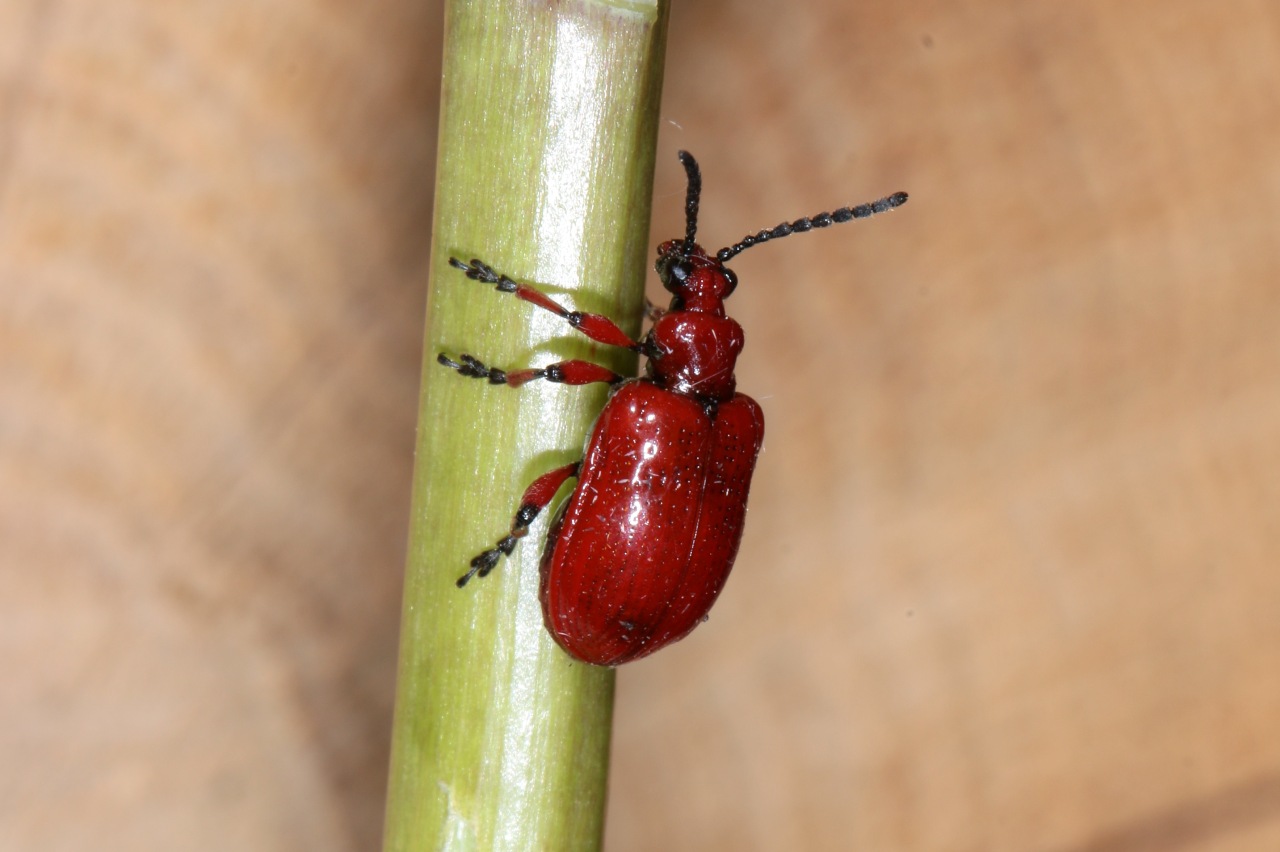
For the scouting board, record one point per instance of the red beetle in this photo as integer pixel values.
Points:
(640, 551)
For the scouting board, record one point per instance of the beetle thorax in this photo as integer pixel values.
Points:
(698, 352)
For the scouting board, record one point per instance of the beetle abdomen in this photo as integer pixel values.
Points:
(648, 537)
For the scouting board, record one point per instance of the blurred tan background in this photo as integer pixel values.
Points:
(1011, 579)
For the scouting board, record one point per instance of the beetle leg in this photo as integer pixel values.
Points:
(653, 312)
(595, 326)
(562, 372)
(535, 499)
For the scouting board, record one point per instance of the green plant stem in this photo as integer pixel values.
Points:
(548, 127)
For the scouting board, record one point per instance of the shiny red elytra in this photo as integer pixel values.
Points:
(641, 549)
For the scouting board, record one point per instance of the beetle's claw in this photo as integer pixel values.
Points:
(481, 565)
(485, 562)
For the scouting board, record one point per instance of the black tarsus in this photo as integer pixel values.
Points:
(473, 368)
(478, 270)
(487, 561)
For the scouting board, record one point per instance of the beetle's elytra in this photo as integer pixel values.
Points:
(641, 549)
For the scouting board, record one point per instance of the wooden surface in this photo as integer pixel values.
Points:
(1010, 579)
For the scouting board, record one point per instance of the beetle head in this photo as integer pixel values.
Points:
(693, 276)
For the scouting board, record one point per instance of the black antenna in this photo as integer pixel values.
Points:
(822, 220)
(690, 201)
